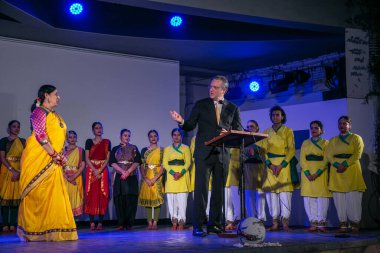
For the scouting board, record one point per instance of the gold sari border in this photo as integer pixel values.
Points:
(97, 162)
(70, 168)
(13, 158)
(57, 234)
(151, 202)
(78, 211)
(37, 179)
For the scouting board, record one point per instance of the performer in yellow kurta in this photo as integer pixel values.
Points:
(176, 161)
(346, 180)
(232, 196)
(45, 212)
(73, 173)
(314, 178)
(279, 153)
(11, 148)
(152, 190)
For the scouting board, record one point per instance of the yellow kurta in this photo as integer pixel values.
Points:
(233, 168)
(75, 192)
(318, 187)
(170, 154)
(278, 143)
(10, 190)
(45, 212)
(192, 170)
(352, 178)
(152, 196)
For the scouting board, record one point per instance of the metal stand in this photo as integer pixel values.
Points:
(243, 212)
(234, 139)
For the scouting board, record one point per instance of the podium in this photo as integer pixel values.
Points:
(240, 140)
(235, 138)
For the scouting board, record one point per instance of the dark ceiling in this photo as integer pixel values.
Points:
(204, 44)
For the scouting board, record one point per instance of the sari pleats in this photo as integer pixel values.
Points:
(45, 212)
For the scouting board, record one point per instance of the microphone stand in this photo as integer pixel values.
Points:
(243, 212)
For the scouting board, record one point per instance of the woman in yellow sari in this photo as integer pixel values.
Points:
(73, 173)
(152, 190)
(11, 148)
(45, 211)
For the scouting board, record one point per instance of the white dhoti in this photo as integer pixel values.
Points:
(177, 203)
(232, 203)
(255, 204)
(279, 204)
(348, 205)
(260, 203)
(316, 208)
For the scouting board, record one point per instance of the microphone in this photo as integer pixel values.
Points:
(240, 124)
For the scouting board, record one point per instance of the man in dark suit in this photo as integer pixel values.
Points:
(213, 115)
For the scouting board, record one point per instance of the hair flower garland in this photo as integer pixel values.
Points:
(38, 102)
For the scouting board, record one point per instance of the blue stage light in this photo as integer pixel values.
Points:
(254, 86)
(176, 21)
(76, 8)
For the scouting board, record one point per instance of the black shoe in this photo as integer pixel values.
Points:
(214, 229)
(199, 232)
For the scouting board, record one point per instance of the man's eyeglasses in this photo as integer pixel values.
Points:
(251, 126)
(215, 87)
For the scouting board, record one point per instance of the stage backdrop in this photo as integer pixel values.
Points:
(121, 91)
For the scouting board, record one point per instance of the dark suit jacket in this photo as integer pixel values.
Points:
(203, 114)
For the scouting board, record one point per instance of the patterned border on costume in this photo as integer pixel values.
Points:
(78, 211)
(48, 231)
(37, 179)
(48, 235)
(151, 203)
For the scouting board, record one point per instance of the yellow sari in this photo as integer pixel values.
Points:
(75, 191)
(45, 211)
(152, 196)
(9, 190)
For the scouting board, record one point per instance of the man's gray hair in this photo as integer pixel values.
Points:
(223, 79)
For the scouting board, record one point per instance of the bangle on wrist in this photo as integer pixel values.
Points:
(54, 155)
(44, 142)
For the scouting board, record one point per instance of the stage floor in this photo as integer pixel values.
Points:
(141, 240)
